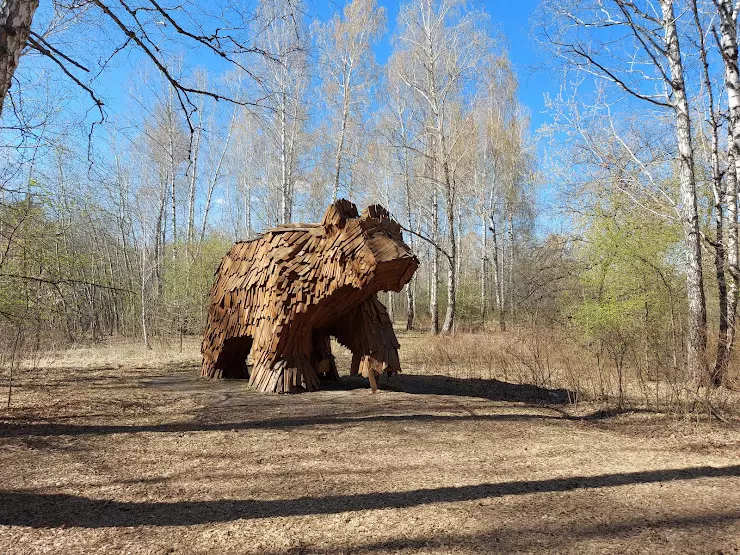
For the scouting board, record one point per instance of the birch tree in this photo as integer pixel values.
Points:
(728, 44)
(643, 59)
(285, 79)
(445, 48)
(15, 28)
(719, 193)
(498, 174)
(348, 67)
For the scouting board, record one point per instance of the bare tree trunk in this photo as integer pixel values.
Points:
(728, 26)
(159, 242)
(248, 208)
(144, 333)
(283, 162)
(483, 272)
(15, 27)
(434, 287)
(283, 166)
(191, 192)
(452, 272)
(721, 359)
(340, 142)
(719, 194)
(497, 275)
(13, 357)
(732, 255)
(389, 307)
(410, 305)
(510, 284)
(410, 298)
(291, 162)
(173, 207)
(696, 339)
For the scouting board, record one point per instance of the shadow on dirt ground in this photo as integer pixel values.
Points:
(423, 384)
(42, 510)
(493, 390)
(529, 539)
(62, 429)
(224, 398)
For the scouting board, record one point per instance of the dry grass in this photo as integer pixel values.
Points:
(119, 449)
(548, 359)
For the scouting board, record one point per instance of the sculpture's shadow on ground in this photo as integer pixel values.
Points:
(417, 384)
(420, 384)
(491, 389)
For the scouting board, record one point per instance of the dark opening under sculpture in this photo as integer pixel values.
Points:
(280, 297)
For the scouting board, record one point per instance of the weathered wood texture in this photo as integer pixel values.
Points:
(280, 297)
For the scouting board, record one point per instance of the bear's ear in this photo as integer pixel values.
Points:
(338, 213)
(378, 212)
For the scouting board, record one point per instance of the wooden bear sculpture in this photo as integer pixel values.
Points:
(280, 297)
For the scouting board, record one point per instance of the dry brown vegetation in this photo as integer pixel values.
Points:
(120, 449)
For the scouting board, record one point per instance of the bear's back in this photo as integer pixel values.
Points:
(260, 263)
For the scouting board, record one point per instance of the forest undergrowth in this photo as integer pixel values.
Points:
(584, 376)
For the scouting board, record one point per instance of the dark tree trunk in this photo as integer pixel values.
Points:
(15, 26)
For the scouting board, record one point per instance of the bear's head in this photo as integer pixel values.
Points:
(371, 248)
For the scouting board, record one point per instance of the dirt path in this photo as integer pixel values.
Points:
(154, 461)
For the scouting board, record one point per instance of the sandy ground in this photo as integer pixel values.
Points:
(133, 454)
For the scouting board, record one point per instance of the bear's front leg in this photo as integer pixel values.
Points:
(368, 332)
(285, 373)
(281, 363)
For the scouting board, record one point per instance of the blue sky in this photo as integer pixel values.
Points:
(512, 18)
(533, 81)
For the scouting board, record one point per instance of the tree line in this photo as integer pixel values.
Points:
(113, 218)
(142, 206)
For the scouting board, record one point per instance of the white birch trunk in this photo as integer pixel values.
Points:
(732, 253)
(171, 177)
(410, 297)
(728, 27)
(510, 284)
(497, 275)
(434, 287)
(719, 194)
(483, 271)
(696, 337)
(340, 141)
(452, 270)
(192, 190)
(144, 332)
(283, 163)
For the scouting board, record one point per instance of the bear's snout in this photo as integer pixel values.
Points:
(393, 274)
